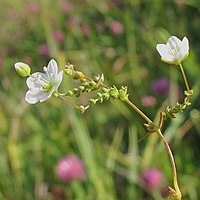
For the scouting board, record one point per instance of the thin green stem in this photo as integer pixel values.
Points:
(69, 102)
(176, 192)
(138, 111)
(184, 77)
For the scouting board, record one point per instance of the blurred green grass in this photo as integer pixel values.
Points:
(34, 138)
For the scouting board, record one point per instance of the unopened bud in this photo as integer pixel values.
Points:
(22, 69)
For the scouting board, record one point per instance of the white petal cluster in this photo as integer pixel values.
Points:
(43, 85)
(174, 51)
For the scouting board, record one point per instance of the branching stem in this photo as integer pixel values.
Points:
(176, 193)
(138, 111)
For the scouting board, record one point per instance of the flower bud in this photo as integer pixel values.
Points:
(22, 69)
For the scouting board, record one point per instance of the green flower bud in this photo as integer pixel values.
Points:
(94, 101)
(79, 75)
(69, 72)
(114, 93)
(99, 95)
(123, 95)
(105, 90)
(22, 69)
(70, 93)
(81, 88)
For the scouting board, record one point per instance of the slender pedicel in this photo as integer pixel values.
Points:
(184, 77)
(138, 111)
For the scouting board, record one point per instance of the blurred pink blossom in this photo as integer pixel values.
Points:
(116, 27)
(151, 178)
(27, 60)
(164, 191)
(33, 8)
(66, 6)
(44, 50)
(58, 36)
(70, 168)
(148, 101)
(13, 15)
(160, 86)
(85, 29)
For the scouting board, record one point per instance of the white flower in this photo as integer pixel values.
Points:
(22, 69)
(174, 51)
(43, 85)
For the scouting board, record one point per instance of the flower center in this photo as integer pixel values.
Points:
(47, 87)
(43, 83)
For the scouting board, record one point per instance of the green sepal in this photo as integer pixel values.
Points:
(188, 93)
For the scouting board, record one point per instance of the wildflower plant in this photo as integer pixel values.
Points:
(44, 85)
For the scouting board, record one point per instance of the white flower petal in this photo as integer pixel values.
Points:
(34, 96)
(52, 66)
(37, 79)
(174, 51)
(52, 69)
(164, 52)
(174, 40)
(185, 43)
(46, 95)
(31, 96)
(42, 85)
(181, 54)
(58, 79)
(185, 46)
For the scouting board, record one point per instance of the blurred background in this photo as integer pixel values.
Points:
(51, 151)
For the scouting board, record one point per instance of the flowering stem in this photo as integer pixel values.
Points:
(184, 77)
(176, 191)
(138, 110)
(69, 102)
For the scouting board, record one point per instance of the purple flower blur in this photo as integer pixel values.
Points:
(160, 86)
(44, 50)
(66, 6)
(116, 27)
(58, 36)
(85, 30)
(70, 168)
(151, 178)
(33, 8)
(148, 101)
